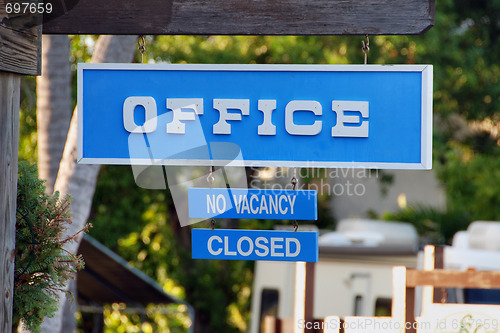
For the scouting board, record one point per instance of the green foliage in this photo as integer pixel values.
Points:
(27, 120)
(81, 49)
(133, 221)
(434, 226)
(141, 231)
(42, 267)
(155, 250)
(163, 318)
(473, 183)
(121, 213)
(464, 49)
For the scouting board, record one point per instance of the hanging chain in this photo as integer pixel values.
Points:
(210, 180)
(294, 182)
(141, 46)
(366, 47)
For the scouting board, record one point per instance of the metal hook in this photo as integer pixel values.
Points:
(141, 42)
(210, 177)
(366, 47)
(210, 180)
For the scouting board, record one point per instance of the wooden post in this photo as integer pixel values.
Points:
(300, 296)
(439, 293)
(399, 296)
(9, 145)
(410, 309)
(20, 44)
(427, 291)
(303, 319)
(309, 297)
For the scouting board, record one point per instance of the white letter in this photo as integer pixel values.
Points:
(149, 105)
(210, 203)
(297, 243)
(273, 203)
(250, 248)
(223, 209)
(292, 202)
(350, 131)
(274, 246)
(263, 205)
(210, 249)
(237, 203)
(283, 211)
(256, 210)
(226, 247)
(222, 105)
(261, 246)
(245, 205)
(176, 105)
(267, 106)
(294, 106)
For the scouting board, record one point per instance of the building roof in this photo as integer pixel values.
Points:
(108, 278)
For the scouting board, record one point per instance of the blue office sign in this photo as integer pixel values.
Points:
(366, 116)
(252, 204)
(254, 245)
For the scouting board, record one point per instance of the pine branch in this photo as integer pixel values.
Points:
(42, 265)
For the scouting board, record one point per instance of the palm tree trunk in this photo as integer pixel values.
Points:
(79, 180)
(53, 106)
(53, 109)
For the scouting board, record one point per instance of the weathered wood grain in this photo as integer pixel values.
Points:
(450, 278)
(9, 144)
(20, 41)
(241, 17)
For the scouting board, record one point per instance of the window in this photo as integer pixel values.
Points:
(269, 300)
(482, 296)
(358, 305)
(383, 307)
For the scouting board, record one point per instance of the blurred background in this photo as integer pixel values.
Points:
(139, 225)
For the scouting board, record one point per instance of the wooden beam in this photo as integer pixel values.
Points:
(240, 17)
(9, 145)
(20, 39)
(453, 279)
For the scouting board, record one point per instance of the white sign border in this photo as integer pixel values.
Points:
(426, 114)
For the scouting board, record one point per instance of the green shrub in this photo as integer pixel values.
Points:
(434, 226)
(42, 266)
